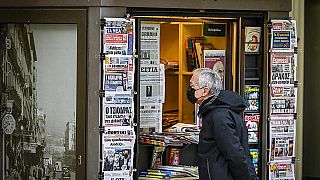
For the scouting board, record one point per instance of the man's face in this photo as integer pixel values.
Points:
(200, 93)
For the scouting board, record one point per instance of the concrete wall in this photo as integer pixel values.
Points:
(311, 126)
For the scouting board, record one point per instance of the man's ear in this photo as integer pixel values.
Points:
(206, 91)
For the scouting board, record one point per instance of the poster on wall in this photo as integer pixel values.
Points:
(253, 38)
(118, 38)
(281, 170)
(215, 59)
(118, 152)
(282, 138)
(150, 43)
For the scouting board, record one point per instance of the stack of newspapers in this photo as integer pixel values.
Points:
(171, 172)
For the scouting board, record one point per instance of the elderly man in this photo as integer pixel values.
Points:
(223, 147)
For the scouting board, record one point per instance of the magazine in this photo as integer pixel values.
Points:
(157, 156)
(252, 97)
(255, 155)
(253, 137)
(252, 121)
(174, 158)
(252, 44)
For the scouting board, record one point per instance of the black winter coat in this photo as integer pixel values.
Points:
(223, 147)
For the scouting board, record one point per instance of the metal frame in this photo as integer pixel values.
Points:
(63, 16)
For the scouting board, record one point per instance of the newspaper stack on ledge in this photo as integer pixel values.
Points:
(171, 172)
(178, 135)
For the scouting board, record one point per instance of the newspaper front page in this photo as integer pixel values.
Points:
(282, 138)
(150, 43)
(118, 152)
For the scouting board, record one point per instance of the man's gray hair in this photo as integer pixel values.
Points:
(209, 78)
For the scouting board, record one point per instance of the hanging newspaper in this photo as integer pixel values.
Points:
(282, 138)
(118, 98)
(117, 114)
(281, 170)
(283, 99)
(118, 36)
(118, 152)
(150, 43)
(118, 77)
(283, 68)
(252, 97)
(152, 83)
(284, 38)
(215, 59)
(252, 44)
(151, 117)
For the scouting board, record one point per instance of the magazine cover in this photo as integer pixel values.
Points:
(253, 137)
(252, 44)
(255, 155)
(252, 121)
(174, 158)
(215, 59)
(252, 97)
(156, 160)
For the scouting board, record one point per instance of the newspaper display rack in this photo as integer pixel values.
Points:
(117, 126)
(282, 99)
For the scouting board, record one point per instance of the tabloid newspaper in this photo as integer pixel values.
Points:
(283, 35)
(150, 43)
(118, 152)
(281, 170)
(215, 59)
(282, 138)
(283, 99)
(118, 36)
(283, 68)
